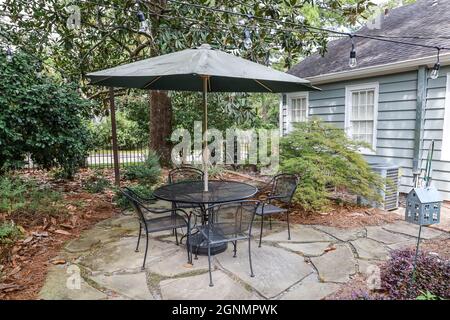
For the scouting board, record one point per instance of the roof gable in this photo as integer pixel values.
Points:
(425, 18)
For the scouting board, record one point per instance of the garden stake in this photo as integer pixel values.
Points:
(413, 276)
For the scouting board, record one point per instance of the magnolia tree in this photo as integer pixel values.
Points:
(82, 36)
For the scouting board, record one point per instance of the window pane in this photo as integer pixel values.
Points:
(362, 115)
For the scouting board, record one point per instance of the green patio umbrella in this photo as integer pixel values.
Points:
(202, 69)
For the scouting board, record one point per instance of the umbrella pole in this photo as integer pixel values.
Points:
(205, 128)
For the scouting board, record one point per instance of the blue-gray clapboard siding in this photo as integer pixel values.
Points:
(396, 121)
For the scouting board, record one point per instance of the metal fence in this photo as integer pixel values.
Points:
(103, 158)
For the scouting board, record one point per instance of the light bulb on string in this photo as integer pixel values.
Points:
(9, 54)
(435, 71)
(143, 25)
(248, 43)
(352, 61)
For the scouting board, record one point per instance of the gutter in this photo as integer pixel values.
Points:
(372, 71)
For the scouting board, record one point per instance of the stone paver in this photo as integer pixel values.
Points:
(410, 229)
(120, 256)
(176, 264)
(336, 265)
(313, 249)
(63, 285)
(275, 269)
(370, 249)
(343, 234)
(299, 233)
(132, 286)
(381, 235)
(92, 238)
(310, 289)
(197, 288)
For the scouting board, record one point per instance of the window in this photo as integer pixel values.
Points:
(298, 109)
(361, 110)
(445, 153)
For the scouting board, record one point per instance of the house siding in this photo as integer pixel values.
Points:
(396, 121)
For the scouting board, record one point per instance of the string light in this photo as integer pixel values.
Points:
(143, 24)
(435, 71)
(248, 43)
(9, 54)
(352, 63)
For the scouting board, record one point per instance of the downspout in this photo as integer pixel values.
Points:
(418, 130)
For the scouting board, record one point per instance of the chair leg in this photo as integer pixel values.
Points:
(176, 237)
(260, 234)
(289, 229)
(234, 249)
(146, 249)
(270, 222)
(209, 265)
(139, 238)
(250, 258)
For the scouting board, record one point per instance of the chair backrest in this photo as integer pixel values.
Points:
(284, 186)
(185, 174)
(134, 202)
(237, 216)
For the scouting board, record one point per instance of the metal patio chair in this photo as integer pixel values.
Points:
(283, 190)
(229, 222)
(181, 174)
(172, 221)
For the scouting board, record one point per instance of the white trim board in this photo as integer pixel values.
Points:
(445, 151)
(348, 104)
(384, 69)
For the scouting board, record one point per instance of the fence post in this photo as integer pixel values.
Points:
(114, 137)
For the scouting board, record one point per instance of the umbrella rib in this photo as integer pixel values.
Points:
(152, 82)
(263, 85)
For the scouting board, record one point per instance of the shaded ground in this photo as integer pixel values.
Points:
(327, 251)
(317, 262)
(24, 269)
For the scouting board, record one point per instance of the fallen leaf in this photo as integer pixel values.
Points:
(58, 261)
(59, 231)
(67, 226)
(14, 271)
(330, 249)
(40, 234)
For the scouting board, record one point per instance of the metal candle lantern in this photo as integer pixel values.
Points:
(423, 206)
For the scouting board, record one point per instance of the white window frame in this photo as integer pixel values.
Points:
(445, 149)
(375, 86)
(297, 95)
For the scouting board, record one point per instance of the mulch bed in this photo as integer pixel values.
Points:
(25, 267)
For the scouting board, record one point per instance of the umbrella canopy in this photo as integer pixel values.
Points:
(202, 69)
(182, 71)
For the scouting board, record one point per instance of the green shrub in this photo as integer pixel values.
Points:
(322, 155)
(143, 191)
(146, 173)
(96, 183)
(9, 232)
(40, 117)
(19, 197)
(129, 134)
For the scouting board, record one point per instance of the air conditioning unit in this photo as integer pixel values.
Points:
(390, 194)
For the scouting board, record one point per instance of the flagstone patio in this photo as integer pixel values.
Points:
(313, 265)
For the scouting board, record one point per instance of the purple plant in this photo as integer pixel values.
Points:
(432, 275)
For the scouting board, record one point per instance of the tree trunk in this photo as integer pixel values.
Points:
(160, 124)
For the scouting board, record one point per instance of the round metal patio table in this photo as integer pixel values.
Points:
(191, 192)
